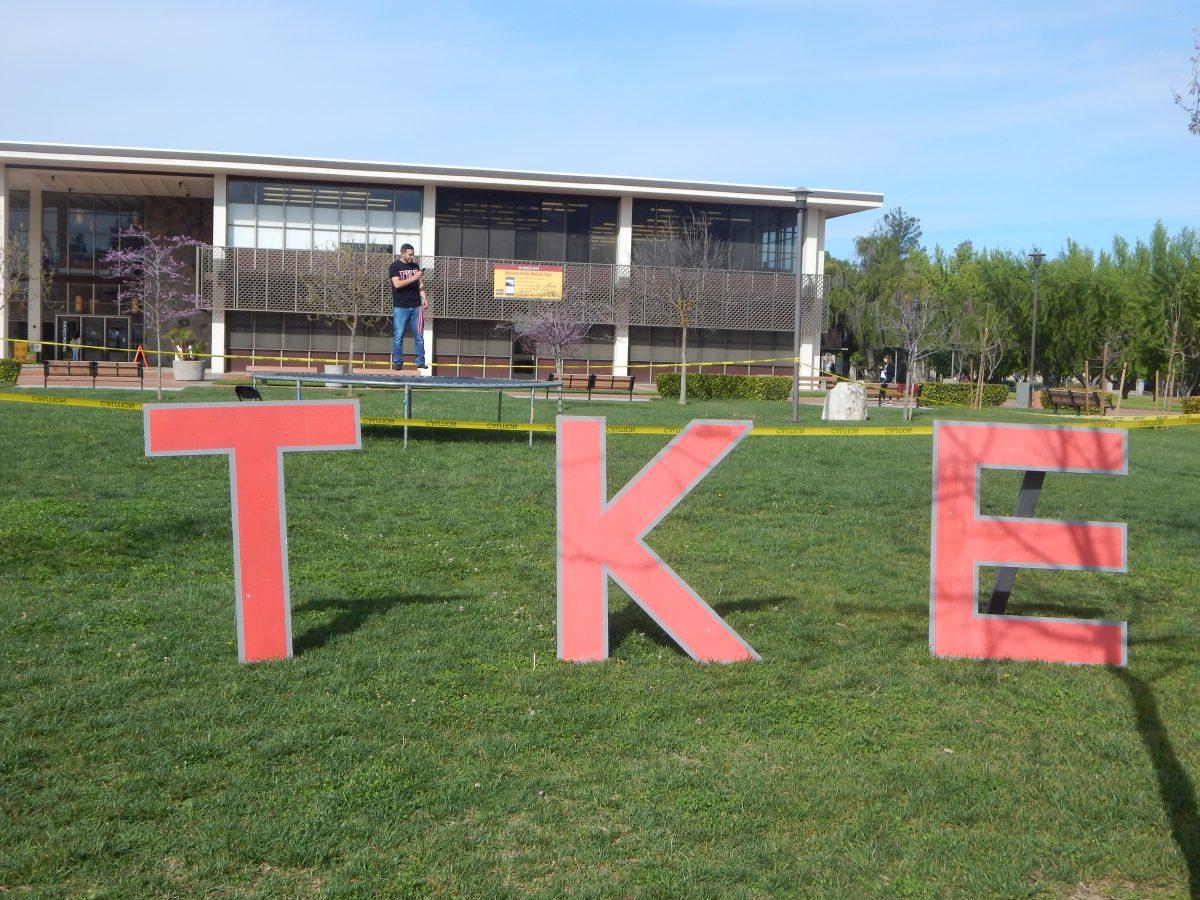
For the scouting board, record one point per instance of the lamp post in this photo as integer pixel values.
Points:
(1037, 257)
(798, 265)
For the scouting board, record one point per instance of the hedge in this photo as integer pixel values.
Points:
(1191, 405)
(725, 387)
(1108, 395)
(9, 370)
(960, 394)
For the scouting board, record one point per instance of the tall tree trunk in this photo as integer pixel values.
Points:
(683, 368)
(1166, 394)
(158, 354)
(979, 383)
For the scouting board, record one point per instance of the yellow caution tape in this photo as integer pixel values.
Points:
(549, 428)
(70, 401)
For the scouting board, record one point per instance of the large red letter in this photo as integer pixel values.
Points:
(962, 541)
(598, 540)
(255, 436)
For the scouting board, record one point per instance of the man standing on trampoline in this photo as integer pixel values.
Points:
(408, 300)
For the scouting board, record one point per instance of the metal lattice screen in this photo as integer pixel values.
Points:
(323, 282)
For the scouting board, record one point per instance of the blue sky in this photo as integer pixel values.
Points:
(1012, 125)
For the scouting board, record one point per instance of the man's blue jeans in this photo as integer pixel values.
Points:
(403, 318)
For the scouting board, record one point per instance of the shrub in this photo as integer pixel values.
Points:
(1109, 397)
(960, 394)
(725, 387)
(9, 370)
(1191, 405)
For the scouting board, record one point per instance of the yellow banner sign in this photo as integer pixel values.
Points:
(527, 282)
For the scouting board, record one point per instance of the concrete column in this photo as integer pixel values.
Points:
(624, 259)
(219, 240)
(34, 330)
(428, 252)
(625, 231)
(428, 225)
(813, 248)
(4, 266)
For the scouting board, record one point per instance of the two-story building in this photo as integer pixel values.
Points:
(270, 225)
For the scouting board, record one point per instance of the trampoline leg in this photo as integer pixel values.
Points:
(407, 412)
(298, 397)
(499, 403)
(532, 399)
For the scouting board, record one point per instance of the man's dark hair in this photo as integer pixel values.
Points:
(404, 247)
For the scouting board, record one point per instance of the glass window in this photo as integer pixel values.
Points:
(50, 247)
(239, 191)
(80, 227)
(270, 203)
(474, 227)
(603, 231)
(241, 235)
(758, 237)
(551, 231)
(270, 238)
(579, 226)
(354, 210)
(108, 224)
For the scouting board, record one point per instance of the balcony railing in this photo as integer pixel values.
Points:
(315, 282)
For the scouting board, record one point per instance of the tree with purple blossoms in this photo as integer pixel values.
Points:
(550, 333)
(154, 280)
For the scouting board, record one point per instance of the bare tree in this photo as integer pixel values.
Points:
(551, 332)
(684, 257)
(981, 334)
(916, 320)
(349, 286)
(154, 279)
(1190, 104)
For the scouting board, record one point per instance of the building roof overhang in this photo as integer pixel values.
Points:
(184, 164)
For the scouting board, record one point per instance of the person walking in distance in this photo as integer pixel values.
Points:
(408, 299)
(886, 374)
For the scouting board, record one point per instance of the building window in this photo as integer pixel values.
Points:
(78, 229)
(545, 228)
(301, 216)
(759, 237)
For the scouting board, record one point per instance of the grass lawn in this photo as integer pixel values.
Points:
(425, 740)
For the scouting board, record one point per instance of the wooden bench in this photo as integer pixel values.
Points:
(892, 392)
(1077, 400)
(92, 369)
(592, 382)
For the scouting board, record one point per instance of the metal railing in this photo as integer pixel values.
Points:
(314, 282)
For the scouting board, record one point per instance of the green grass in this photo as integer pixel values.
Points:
(425, 740)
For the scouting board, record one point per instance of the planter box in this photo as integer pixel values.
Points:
(188, 369)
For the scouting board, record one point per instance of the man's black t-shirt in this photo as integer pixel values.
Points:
(410, 294)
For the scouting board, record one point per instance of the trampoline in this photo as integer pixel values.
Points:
(410, 383)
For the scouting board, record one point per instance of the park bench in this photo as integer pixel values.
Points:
(592, 381)
(72, 369)
(1077, 400)
(893, 391)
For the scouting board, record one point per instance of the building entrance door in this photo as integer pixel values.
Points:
(92, 337)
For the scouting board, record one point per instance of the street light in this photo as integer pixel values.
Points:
(1037, 257)
(802, 195)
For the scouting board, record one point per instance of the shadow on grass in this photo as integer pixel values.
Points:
(351, 615)
(634, 620)
(1174, 786)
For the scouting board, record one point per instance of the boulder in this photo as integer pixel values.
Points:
(846, 402)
